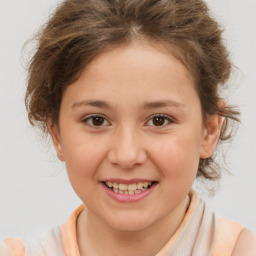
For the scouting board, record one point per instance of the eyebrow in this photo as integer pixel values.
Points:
(93, 103)
(147, 105)
(164, 103)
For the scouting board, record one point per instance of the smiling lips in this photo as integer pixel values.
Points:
(124, 191)
(128, 189)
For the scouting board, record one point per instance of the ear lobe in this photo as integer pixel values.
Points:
(54, 133)
(211, 136)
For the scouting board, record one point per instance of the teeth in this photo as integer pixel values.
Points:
(110, 184)
(134, 188)
(145, 184)
(140, 185)
(122, 186)
(115, 185)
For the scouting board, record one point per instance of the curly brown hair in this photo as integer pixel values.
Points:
(80, 30)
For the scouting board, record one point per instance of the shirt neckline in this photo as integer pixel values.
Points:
(69, 237)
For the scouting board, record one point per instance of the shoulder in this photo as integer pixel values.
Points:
(245, 244)
(4, 250)
(12, 247)
(49, 244)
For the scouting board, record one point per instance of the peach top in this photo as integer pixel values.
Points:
(201, 233)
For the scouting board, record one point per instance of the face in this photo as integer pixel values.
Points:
(131, 134)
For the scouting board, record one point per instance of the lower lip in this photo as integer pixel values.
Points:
(123, 198)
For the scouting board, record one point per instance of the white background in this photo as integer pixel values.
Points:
(34, 190)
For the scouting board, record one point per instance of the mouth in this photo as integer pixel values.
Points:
(129, 189)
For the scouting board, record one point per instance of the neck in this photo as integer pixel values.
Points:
(92, 232)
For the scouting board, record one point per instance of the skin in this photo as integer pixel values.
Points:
(129, 145)
(246, 244)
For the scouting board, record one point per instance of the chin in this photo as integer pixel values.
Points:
(129, 223)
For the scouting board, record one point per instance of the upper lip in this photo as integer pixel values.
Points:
(125, 181)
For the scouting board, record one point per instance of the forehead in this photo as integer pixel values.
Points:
(147, 71)
(137, 59)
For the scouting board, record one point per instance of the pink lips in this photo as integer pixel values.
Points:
(126, 181)
(123, 198)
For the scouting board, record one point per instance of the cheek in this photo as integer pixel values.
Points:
(83, 157)
(177, 157)
(82, 163)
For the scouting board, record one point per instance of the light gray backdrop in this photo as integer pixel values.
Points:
(34, 190)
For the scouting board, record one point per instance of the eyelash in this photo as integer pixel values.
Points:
(90, 118)
(166, 118)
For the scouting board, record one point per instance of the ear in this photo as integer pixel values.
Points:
(55, 136)
(211, 135)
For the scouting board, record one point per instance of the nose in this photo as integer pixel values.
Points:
(126, 149)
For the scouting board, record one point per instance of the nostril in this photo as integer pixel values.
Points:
(127, 159)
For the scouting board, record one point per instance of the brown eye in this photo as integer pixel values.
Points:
(96, 121)
(158, 120)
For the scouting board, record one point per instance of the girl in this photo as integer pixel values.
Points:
(130, 93)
